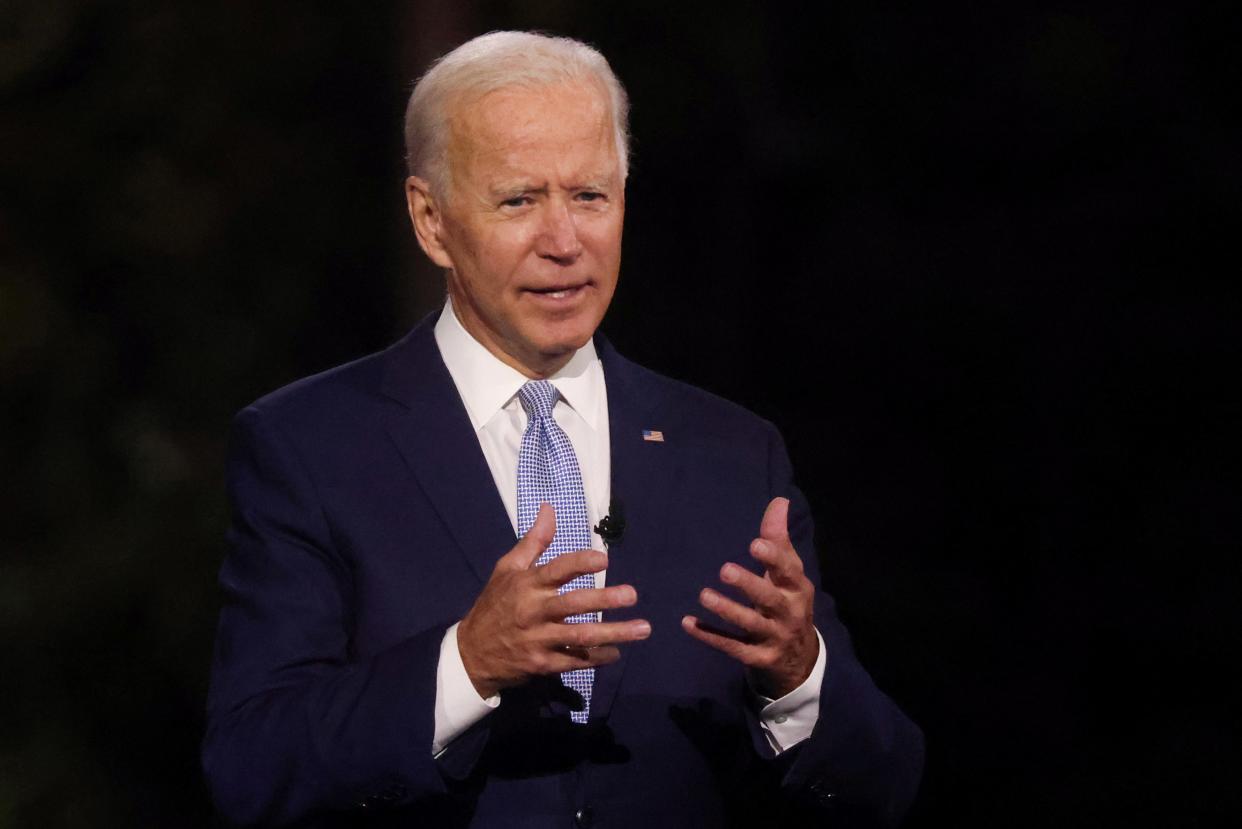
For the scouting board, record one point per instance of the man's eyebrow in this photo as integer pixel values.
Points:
(515, 188)
(594, 183)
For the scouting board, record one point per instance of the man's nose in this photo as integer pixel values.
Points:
(558, 237)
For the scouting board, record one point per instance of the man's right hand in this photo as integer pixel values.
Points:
(516, 628)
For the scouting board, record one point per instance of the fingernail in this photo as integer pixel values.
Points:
(629, 595)
(729, 573)
(708, 598)
(642, 630)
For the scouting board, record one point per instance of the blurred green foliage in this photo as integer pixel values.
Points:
(187, 188)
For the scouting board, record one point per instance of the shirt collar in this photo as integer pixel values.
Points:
(486, 385)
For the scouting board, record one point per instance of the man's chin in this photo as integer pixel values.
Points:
(564, 337)
(551, 355)
(561, 351)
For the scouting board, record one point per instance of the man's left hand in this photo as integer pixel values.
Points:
(779, 643)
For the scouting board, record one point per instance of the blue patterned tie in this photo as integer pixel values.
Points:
(548, 471)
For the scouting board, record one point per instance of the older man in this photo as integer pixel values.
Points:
(460, 569)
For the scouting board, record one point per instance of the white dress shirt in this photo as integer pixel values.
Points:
(488, 389)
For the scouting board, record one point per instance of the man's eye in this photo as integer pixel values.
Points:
(516, 201)
(590, 195)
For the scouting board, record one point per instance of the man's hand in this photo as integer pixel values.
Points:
(516, 628)
(779, 645)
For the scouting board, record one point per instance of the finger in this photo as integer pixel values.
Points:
(781, 561)
(573, 659)
(596, 634)
(746, 618)
(762, 593)
(775, 524)
(568, 566)
(527, 551)
(589, 600)
(743, 652)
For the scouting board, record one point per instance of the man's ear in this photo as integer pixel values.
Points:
(428, 220)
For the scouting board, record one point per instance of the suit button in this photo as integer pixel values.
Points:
(584, 817)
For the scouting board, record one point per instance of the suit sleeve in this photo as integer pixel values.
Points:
(862, 763)
(297, 727)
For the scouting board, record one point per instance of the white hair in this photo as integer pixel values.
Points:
(498, 60)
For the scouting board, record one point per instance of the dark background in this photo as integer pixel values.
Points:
(975, 260)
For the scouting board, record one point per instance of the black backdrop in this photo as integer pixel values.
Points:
(974, 261)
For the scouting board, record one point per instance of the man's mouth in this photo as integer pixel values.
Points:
(559, 291)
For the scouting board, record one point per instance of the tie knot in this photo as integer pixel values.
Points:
(538, 397)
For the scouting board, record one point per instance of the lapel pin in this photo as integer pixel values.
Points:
(653, 435)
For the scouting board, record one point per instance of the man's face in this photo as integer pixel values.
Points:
(531, 227)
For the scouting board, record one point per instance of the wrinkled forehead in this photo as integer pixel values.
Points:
(513, 121)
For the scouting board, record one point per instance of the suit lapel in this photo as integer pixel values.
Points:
(642, 474)
(433, 433)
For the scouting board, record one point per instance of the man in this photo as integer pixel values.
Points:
(421, 625)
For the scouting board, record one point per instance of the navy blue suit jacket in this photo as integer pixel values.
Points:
(366, 522)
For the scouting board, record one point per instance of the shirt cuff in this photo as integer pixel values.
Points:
(458, 705)
(791, 719)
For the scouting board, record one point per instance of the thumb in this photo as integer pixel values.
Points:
(537, 538)
(775, 524)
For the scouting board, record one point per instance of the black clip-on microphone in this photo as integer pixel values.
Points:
(611, 527)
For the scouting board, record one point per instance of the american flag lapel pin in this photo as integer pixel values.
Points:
(653, 435)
